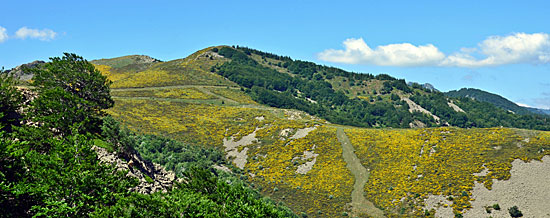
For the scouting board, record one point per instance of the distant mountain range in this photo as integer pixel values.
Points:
(496, 100)
(538, 110)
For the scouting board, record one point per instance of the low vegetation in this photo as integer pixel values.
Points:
(240, 127)
(50, 169)
(409, 165)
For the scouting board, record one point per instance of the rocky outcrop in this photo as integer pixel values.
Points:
(19, 72)
(144, 59)
(152, 177)
(455, 107)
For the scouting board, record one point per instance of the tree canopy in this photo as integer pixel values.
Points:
(71, 94)
(10, 100)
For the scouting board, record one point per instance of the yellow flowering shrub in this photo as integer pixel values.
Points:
(326, 187)
(177, 93)
(108, 72)
(193, 70)
(233, 94)
(193, 123)
(408, 165)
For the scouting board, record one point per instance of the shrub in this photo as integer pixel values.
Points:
(515, 212)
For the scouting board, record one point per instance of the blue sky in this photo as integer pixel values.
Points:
(499, 46)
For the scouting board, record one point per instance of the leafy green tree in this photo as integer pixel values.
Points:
(122, 139)
(64, 181)
(72, 94)
(10, 100)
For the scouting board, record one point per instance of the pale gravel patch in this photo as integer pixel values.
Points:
(311, 100)
(307, 166)
(232, 148)
(293, 115)
(213, 54)
(415, 107)
(455, 107)
(417, 124)
(300, 133)
(285, 132)
(222, 168)
(528, 188)
(438, 203)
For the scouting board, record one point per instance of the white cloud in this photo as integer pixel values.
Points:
(495, 50)
(43, 35)
(404, 54)
(523, 105)
(498, 50)
(3, 34)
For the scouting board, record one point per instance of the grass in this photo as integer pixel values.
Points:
(102, 144)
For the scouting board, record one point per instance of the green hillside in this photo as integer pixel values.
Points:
(253, 134)
(484, 96)
(357, 99)
(284, 140)
(62, 157)
(141, 71)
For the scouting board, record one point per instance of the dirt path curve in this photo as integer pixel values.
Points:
(208, 92)
(172, 87)
(360, 205)
(203, 89)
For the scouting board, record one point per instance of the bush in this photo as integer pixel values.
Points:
(10, 99)
(515, 212)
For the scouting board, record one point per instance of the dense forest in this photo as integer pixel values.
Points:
(48, 167)
(479, 114)
(308, 91)
(306, 87)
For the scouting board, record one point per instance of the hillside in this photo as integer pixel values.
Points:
(494, 99)
(242, 133)
(60, 156)
(276, 120)
(141, 71)
(539, 111)
(333, 94)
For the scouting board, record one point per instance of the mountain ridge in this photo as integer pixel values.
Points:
(492, 98)
(339, 96)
